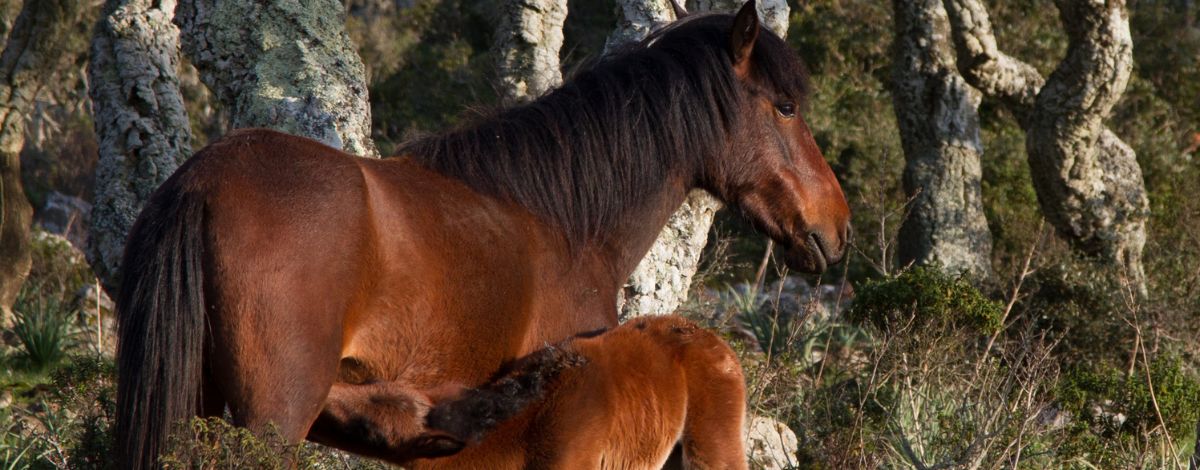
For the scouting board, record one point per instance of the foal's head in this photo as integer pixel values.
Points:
(771, 170)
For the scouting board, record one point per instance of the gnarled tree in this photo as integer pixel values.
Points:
(1088, 182)
(139, 117)
(284, 65)
(46, 37)
(937, 113)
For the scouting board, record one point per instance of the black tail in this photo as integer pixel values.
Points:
(161, 326)
(517, 386)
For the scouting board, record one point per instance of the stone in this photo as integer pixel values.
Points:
(770, 444)
(66, 216)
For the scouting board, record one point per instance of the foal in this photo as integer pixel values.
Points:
(623, 398)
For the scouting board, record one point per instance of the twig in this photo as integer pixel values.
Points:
(1012, 299)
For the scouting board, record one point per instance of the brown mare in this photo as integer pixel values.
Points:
(623, 398)
(279, 277)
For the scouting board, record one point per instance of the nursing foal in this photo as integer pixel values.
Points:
(623, 398)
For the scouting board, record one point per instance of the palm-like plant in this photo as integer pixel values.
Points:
(43, 328)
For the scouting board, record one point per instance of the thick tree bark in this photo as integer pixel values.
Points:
(773, 14)
(636, 19)
(1088, 182)
(527, 43)
(285, 65)
(937, 113)
(139, 117)
(661, 281)
(42, 42)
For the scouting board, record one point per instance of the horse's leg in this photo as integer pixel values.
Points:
(212, 402)
(276, 349)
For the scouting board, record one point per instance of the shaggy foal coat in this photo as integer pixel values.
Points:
(619, 399)
(654, 392)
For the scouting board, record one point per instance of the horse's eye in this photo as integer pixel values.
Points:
(786, 109)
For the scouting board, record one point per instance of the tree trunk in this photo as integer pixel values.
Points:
(1088, 181)
(636, 19)
(661, 281)
(43, 40)
(527, 43)
(139, 117)
(285, 65)
(937, 113)
(772, 13)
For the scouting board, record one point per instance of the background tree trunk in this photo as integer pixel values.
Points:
(937, 113)
(1088, 181)
(285, 65)
(661, 281)
(139, 117)
(636, 19)
(46, 37)
(527, 43)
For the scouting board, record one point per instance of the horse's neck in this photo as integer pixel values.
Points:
(625, 246)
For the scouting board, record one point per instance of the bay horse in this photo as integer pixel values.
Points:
(271, 275)
(621, 398)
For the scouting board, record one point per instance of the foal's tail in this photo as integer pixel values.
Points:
(518, 385)
(161, 325)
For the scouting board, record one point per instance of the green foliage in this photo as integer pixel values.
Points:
(1116, 411)
(87, 387)
(927, 297)
(58, 268)
(445, 67)
(43, 328)
(214, 443)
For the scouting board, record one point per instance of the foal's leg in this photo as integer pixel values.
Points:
(716, 406)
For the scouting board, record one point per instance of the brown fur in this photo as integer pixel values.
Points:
(286, 280)
(628, 398)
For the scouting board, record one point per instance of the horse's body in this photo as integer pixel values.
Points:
(622, 400)
(274, 275)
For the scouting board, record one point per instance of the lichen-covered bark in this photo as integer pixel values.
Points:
(45, 38)
(139, 117)
(636, 19)
(773, 14)
(661, 281)
(282, 64)
(937, 113)
(527, 42)
(1088, 181)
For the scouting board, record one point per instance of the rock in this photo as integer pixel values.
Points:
(66, 216)
(770, 444)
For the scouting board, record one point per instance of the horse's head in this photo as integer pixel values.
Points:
(772, 170)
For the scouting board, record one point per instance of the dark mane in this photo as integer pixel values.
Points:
(587, 152)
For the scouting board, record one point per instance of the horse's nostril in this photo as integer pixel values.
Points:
(830, 251)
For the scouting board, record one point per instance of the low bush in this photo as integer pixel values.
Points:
(927, 298)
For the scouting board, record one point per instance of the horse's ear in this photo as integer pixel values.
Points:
(680, 12)
(741, 39)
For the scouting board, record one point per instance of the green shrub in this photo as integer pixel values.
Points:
(43, 328)
(1115, 411)
(214, 443)
(929, 298)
